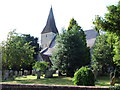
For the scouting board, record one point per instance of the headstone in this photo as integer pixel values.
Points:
(49, 73)
(0, 75)
(20, 73)
(0, 79)
(11, 75)
(25, 72)
(5, 74)
(33, 72)
(57, 72)
(16, 73)
(28, 73)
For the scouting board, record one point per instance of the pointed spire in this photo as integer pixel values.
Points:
(50, 25)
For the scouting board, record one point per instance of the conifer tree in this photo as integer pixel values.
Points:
(71, 51)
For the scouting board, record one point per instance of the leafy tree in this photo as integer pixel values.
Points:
(111, 20)
(3, 56)
(40, 67)
(116, 57)
(71, 52)
(33, 42)
(102, 56)
(111, 23)
(16, 54)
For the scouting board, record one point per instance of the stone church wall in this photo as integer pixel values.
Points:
(46, 39)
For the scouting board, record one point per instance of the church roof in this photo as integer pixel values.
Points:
(49, 50)
(91, 37)
(50, 25)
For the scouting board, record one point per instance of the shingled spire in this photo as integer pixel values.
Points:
(50, 25)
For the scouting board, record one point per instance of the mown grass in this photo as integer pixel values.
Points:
(105, 81)
(46, 81)
(101, 81)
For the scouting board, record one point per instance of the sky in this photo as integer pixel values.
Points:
(30, 16)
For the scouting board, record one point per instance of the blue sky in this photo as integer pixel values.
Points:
(30, 16)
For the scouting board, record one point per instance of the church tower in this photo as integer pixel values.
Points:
(49, 31)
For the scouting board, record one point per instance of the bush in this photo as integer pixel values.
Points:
(84, 76)
(40, 66)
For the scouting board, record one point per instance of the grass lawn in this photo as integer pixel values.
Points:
(105, 81)
(102, 81)
(47, 81)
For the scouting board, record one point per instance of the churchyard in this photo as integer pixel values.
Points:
(64, 59)
(55, 80)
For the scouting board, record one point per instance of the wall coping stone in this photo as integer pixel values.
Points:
(7, 85)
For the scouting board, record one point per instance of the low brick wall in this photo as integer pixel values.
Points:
(48, 87)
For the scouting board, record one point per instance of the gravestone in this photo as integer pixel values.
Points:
(25, 72)
(0, 75)
(5, 74)
(20, 73)
(49, 73)
(28, 73)
(16, 73)
(33, 72)
(11, 75)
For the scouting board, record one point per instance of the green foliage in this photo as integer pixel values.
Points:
(16, 52)
(73, 23)
(71, 51)
(111, 20)
(84, 76)
(110, 24)
(116, 57)
(102, 53)
(33, 42)
(41, 66)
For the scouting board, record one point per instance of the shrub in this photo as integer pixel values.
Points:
(84, 76)
(40, 67)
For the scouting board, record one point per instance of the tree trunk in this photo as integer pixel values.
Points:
(95, 72)
(113, 81)
(38, 74)
(59, 73)
(30, 72)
